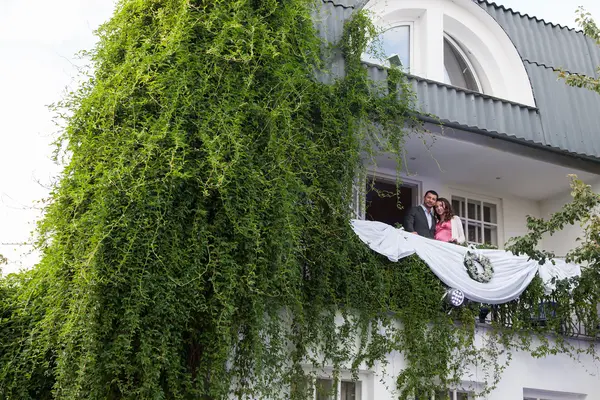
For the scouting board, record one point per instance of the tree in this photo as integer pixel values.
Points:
(197, 245)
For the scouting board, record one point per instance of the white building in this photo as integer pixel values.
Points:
(507, 134)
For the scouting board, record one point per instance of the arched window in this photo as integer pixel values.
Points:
(451, 41)
(458, 71)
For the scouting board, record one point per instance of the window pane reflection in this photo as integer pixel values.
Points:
(462, 396)
(348, 391)
(456, 70)
(394, 44)
(324, 389)
(489, 213)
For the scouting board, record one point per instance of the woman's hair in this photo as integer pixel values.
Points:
(448, 213)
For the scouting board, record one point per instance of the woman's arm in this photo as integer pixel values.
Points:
(457, 230)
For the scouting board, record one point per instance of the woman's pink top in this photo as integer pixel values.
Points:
(443, 231)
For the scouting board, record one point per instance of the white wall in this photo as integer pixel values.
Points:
(565, 240)
(557, 373)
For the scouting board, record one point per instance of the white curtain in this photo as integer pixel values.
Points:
(512, 274)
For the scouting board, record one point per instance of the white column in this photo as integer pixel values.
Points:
(431, 43)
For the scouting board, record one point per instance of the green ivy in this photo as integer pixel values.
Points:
(197, 245)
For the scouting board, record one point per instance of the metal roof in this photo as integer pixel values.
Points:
(570, 116)
(566, 119)
(471, 110)
(329, 19)
(546, 44)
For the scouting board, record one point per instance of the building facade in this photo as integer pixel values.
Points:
(502, 134)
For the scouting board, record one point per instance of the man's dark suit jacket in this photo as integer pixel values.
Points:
(416, 221)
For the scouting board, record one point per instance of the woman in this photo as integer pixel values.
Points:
(449, 226)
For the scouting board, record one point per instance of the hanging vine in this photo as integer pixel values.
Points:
(197, 244)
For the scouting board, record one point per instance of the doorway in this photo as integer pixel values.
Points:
(384, 204)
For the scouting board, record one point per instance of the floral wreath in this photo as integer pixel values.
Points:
(488, 269)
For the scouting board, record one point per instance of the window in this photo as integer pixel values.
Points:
(479, 218)
(452, 394)
(393, 48)
(537, 394)
(344, 390)
(450, 41)
(457, 68)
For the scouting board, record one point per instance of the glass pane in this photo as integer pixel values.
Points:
(456, 207)
(348, 390)
(422, 396)
(474, 233)
(456, 69)
(303, 386)
(324, 389)
(443, 395)
(489, 213)
(462, 396)
(490, 235)
(395, 45)
(474, 210)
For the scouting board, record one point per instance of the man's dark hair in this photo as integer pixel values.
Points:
(437, 196)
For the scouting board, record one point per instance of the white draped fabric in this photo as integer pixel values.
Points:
(512, 274)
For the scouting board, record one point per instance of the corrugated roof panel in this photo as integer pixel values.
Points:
(329, 21)
(543, 43)
(569, 115)
(343, 3)
(594, 54)
(329, 18)
(471, 110)
(474, 110)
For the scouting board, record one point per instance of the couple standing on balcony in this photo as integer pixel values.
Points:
(434, 219)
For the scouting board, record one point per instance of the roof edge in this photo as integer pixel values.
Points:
(458, 89)
(517, 141)
(335, 4)
(525, 15)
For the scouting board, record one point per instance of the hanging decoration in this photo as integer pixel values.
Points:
(487, 269)
(504, 277)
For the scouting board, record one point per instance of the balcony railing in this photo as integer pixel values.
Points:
(543, 317)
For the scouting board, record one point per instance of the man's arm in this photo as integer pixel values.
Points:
(409, 220)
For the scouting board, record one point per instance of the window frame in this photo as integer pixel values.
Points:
(360, 192)
(411, 44)
(455, 391)
(540, 394)
(364, 381)
(497, 202)
(358, 395)
(466, 59)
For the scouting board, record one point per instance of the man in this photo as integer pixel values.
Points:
(420, 219)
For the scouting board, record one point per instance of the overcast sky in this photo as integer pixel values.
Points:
(38, 42)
